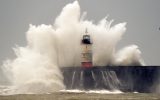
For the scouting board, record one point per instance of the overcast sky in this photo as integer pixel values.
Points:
(142, 17)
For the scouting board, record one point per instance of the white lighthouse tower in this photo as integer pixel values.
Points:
(86, 55)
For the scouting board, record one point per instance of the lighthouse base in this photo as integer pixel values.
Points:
(124, 78)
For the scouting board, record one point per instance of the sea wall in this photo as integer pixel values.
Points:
(125, 78)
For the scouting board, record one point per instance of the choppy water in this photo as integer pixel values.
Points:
(79, 95)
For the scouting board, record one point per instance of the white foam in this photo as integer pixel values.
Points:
(93, 91)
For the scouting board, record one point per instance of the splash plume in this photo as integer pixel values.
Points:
(49, 47)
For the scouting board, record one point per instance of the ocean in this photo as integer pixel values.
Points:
(82, 96)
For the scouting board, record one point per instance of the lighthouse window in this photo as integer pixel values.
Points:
(86, 39)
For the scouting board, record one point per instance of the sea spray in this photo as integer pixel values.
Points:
(129, 56)
(36, 68)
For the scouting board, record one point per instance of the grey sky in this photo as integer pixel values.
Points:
(142, 17)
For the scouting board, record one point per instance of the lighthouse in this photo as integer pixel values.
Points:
(86, 56)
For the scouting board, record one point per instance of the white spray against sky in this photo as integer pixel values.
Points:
(36, 69)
